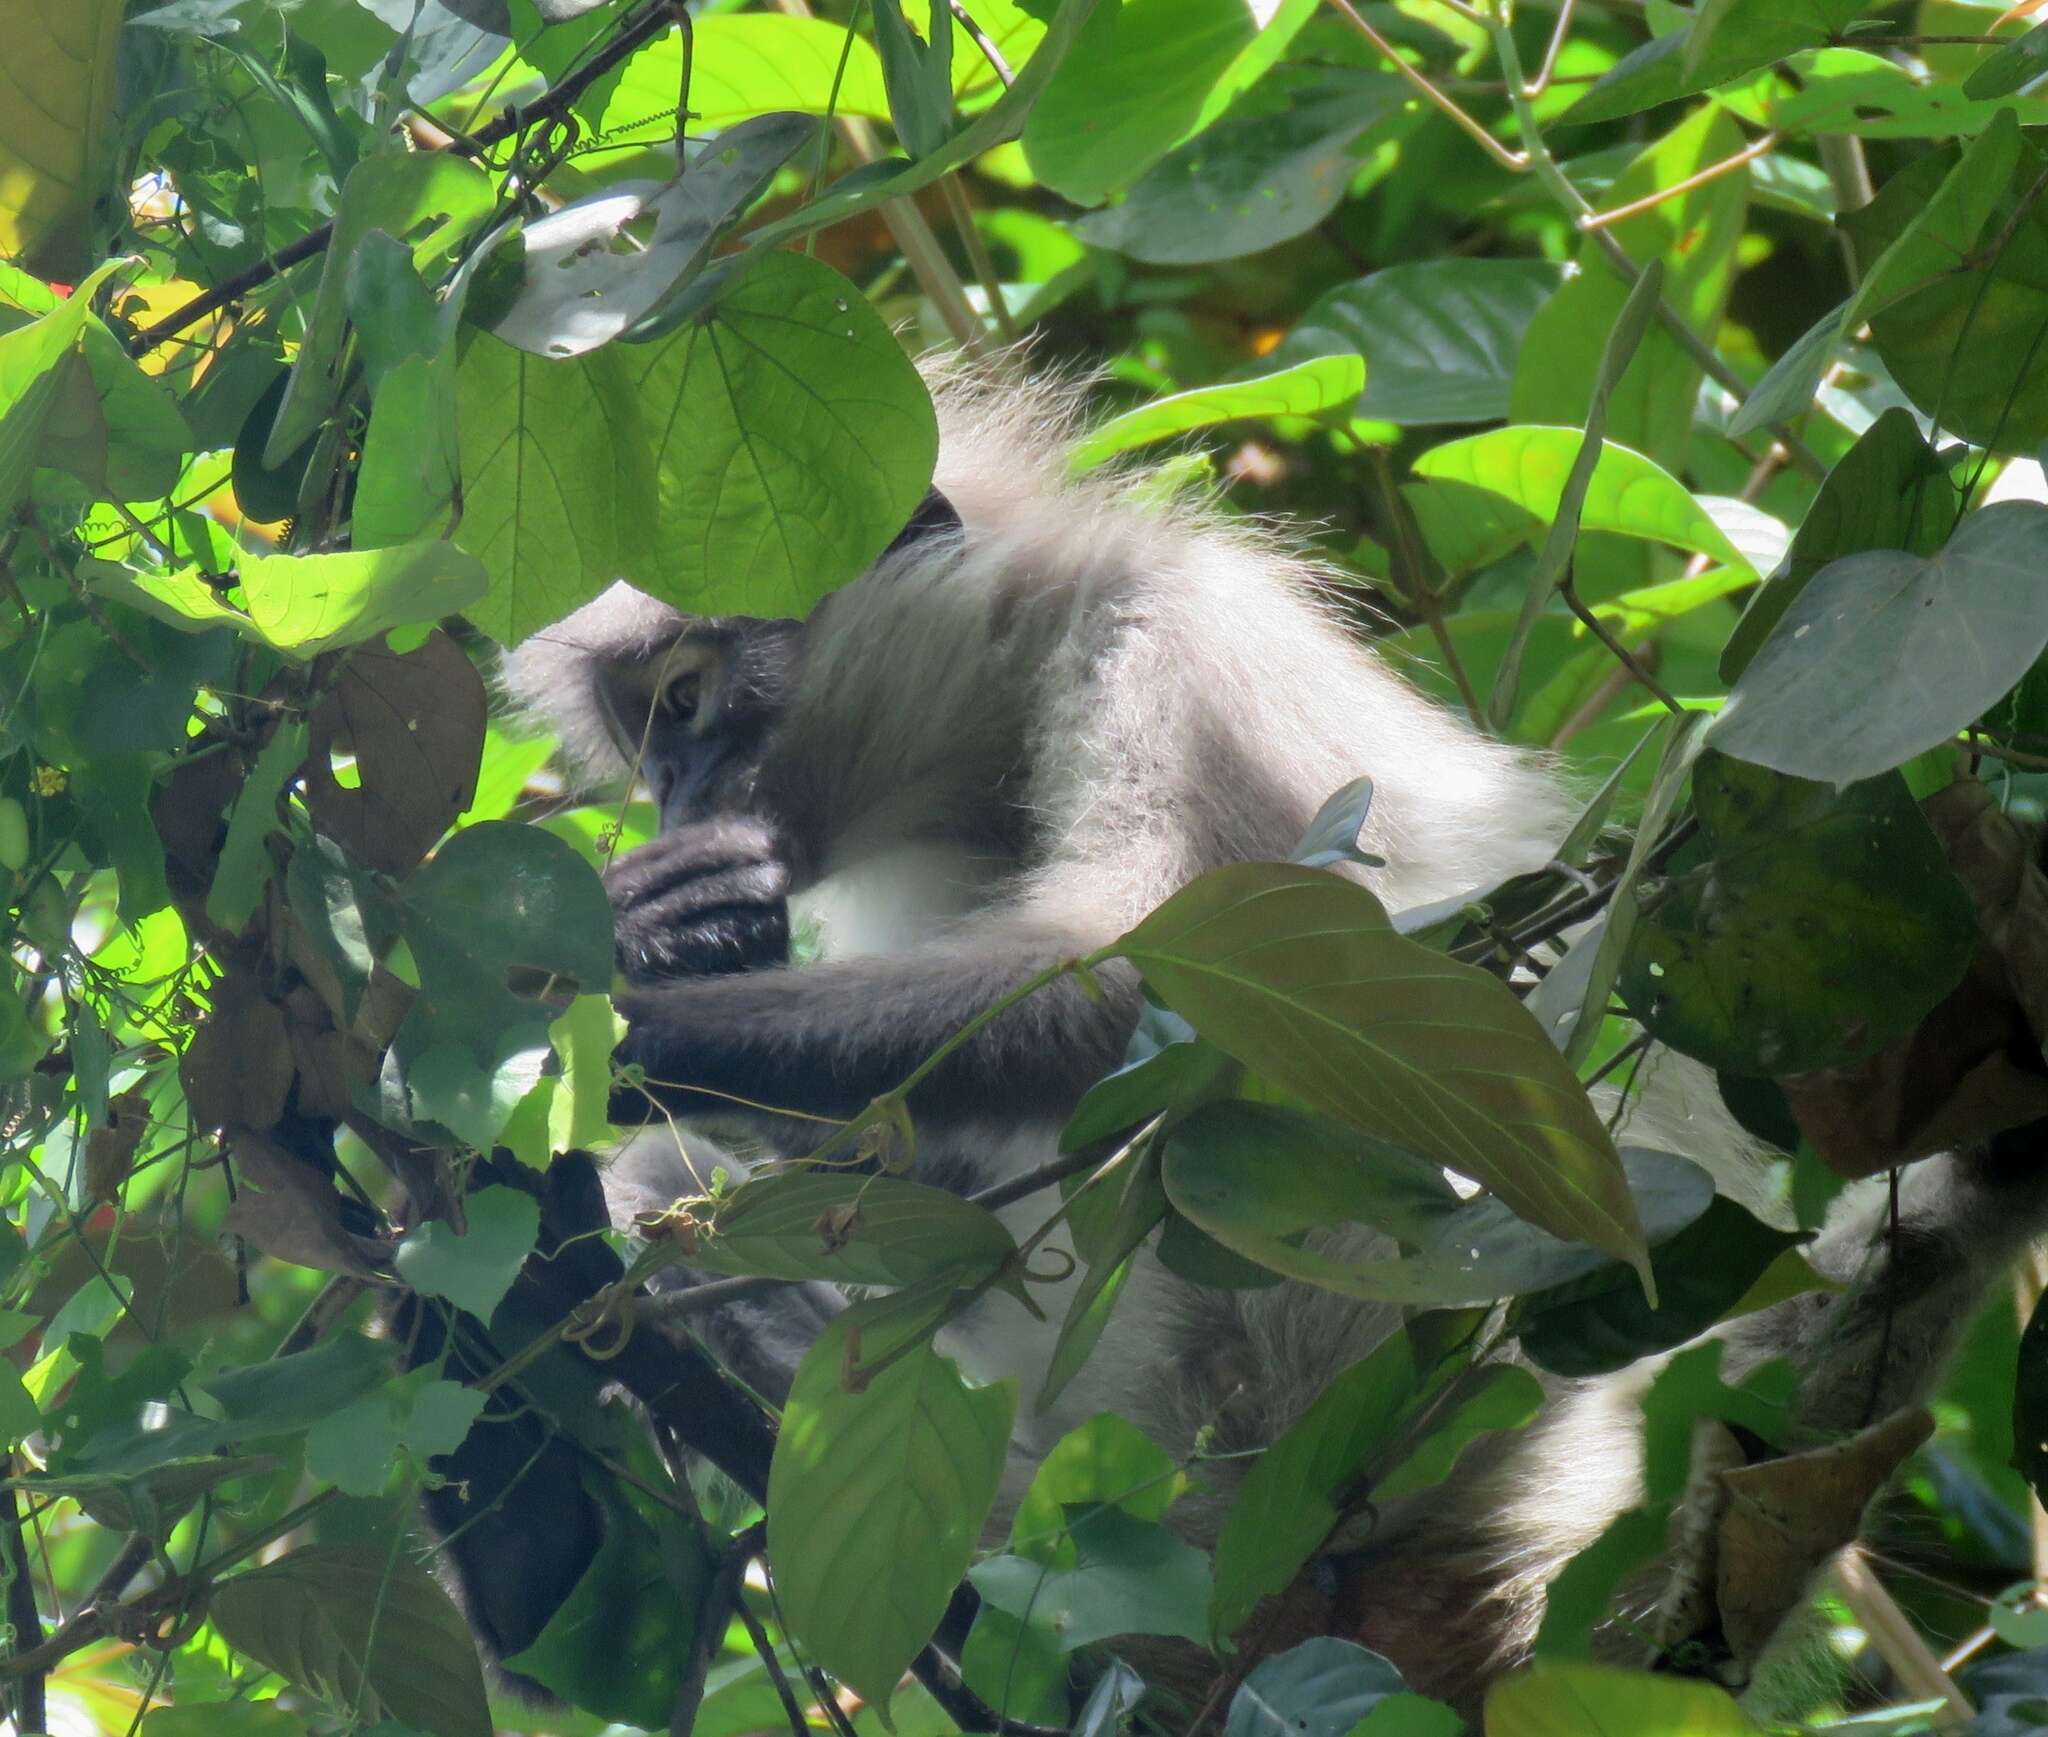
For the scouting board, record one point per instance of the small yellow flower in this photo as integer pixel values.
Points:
(48, 780)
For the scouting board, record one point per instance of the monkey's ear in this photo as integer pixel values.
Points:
(934, 517)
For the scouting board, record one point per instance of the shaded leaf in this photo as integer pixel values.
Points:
(1301, 976)
(364, 1631)
(853, 1230)
(1321, 1688)
(475, 1268)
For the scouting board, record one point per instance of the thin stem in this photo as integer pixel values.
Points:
(1700, 178)
(1518, 161)
(1536, 87)
(978, 255)
(1576, 205)
(981, 40)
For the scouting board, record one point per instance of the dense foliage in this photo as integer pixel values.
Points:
(1666, 382)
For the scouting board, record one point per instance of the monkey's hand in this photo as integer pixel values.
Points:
(702, 901)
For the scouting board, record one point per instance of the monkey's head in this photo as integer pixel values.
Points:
(694, 713)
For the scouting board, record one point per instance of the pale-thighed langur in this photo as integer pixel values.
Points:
(1052, 702)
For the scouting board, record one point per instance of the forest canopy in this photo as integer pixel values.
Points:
(1663, 389)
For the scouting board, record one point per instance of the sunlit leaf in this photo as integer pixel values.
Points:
(1306, 389)
(59, 138)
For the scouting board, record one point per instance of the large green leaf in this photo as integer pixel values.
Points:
(1134, 87)
(853, 1230)
(1128, 1576)
(1322, 1688)
(744, 64)
(303, 605)
(1562, 1698)
(1731, 37)
(1302, 977)
(42, 366)
(880, 1491)
(475, 1267)
(558, 490)
(1628, 493)
(792, 439)
(1887, 653)
(1253, 180)
(366, 1631)
(1924, 229)
(1305, 389)
(60, 136)
(1888, 491)
(1821, 925)
(1439, 336)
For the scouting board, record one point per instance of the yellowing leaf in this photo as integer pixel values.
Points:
(57, 132)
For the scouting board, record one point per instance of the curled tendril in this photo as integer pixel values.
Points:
(607, 1309)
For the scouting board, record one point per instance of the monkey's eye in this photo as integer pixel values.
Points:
(682, 696)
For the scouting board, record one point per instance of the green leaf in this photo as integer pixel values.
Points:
(1301, 977)
(918, 71)
(1130, 1576)
(1134, 87)
(1439, 336)
(114, 428)
(997, 124)
(1306, 389)
(584, 1039)
(744, 65)
(1888, 491)
(557, 486)
(1849, 90)
(600, 265)
(1600, 1323)
(1562, 1698)
(550, 920)
(853, 1230)
(1139, 1206)
(876, 1498)
(1107, 1461)
(1254, 180)
(1321, 1688)
(473, 1269)
(1502, 1398)
(2018, 63)
(433, 195)
(1287, 1504)
(60, 131)
(1925, 233)
(357, 1447)
(245, 864)
(1732, 37)
(1821, 925)
(364, 1631)
(304, 605)
(1885, 654)
(41, 367)
(1628, 493)
(792, 438)
(285, 1395)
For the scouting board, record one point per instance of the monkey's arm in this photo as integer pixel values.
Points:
(827, 1039)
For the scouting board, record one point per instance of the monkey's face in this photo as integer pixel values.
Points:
(694, 714)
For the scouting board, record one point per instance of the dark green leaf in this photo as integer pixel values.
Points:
(1439, 336)
(853, 1230)
(1130, 1576)
(363, 1630)
(1301, 977)
(1822, 925)
(1321, 1688)
(1887, 653)
(918, 71)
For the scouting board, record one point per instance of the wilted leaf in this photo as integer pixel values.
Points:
(1822, 924)
(414, 723)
